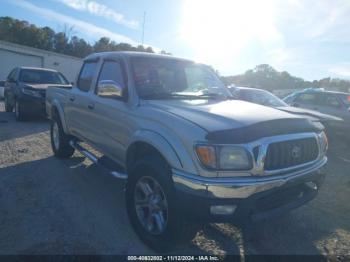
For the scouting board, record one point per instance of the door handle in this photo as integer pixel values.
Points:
(72, 98)
(91, 105)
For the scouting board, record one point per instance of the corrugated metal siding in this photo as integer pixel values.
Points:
(13, 55)
(10, 60)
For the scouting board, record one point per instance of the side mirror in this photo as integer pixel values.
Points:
(295, 104)
(2, 82)
(110, 89)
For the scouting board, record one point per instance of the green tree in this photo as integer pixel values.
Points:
(24, 33)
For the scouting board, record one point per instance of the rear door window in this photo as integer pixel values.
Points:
(331, 101)
(86, 76)
(308, 99)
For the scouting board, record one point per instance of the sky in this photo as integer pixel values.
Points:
(309, 39)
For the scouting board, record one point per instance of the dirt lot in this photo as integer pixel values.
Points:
(51, 206)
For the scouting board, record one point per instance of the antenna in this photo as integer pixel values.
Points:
(143, 26)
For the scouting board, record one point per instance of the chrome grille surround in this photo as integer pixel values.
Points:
(258, 151)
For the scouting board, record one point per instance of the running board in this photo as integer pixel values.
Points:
(95, 159)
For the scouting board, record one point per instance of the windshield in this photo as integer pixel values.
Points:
(164, 78)
(260, 97)
(41, 77)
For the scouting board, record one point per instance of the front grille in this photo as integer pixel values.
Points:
(291, 153)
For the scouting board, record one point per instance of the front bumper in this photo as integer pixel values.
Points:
(254, 197)
(32, 105)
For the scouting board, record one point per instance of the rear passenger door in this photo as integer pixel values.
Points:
(78, 111)
(108, 118)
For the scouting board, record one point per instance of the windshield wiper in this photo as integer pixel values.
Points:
(216, 96)
(169, 96)
(184, 96)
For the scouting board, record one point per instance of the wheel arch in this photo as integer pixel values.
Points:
(149, 142)
(56, 111)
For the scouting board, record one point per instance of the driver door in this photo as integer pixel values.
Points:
(108, 116)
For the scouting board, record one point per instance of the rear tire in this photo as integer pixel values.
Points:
(8, 106)
(60, 140)
(175, 228)
(19, 112)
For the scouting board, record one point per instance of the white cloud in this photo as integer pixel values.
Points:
(86, 28)
(293, 35)
(342, 70)
(281, 56)
(100, 10)
(221, 31)
(322, 20)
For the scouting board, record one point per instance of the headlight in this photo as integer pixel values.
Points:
(31, 92)
(236, 158)
(323, 140)
(224, 157)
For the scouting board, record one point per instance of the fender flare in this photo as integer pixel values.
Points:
(176, 156)
(56, 105)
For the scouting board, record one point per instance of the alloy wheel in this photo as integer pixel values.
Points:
(151, 205)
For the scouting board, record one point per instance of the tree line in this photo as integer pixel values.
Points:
(266, 77)
(24, 33)
(262, 76)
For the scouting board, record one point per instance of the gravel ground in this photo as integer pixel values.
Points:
(52, 206)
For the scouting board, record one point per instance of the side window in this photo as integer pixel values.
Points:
(307, 98)
(86, 76)
(330, 100)
(112, 70)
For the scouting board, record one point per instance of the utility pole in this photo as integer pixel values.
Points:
(143, 27)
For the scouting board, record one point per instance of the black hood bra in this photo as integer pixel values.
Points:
(264, 129)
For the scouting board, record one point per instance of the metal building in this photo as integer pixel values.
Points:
(13, 55)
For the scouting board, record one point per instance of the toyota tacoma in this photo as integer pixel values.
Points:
(188, 152)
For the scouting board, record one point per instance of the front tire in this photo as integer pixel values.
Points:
(60, 140)
(19, 112)
(8, 106)
(151, 203)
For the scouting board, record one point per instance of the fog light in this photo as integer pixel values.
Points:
(222, 210)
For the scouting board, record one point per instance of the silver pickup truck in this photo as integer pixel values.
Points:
(189, 153)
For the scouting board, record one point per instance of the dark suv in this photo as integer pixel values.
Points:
(328, 102)
(25, 90)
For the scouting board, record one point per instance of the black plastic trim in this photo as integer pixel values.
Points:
(264, 129)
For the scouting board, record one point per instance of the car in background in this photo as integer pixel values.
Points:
(263, 97)
(328, 102)
(25, 90)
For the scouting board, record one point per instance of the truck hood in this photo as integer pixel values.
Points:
(214, 115)
(313, 115)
